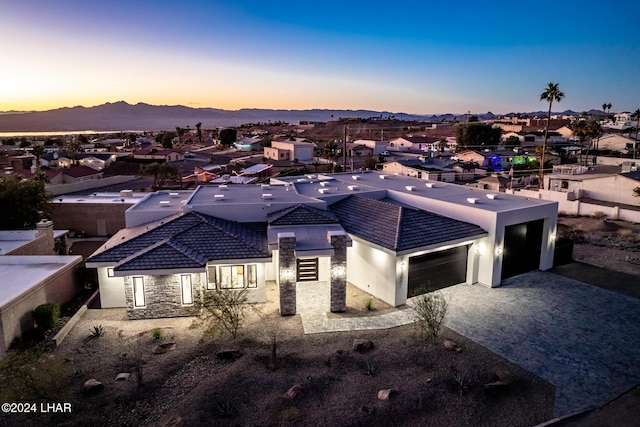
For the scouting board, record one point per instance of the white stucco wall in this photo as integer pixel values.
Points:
(111, 290)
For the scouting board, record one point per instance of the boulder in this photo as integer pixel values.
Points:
(163, 348)
(92, 386)
(294, 391)
(386, 393)
(362, 346)
(123, 376)
(228, 354)
(452, 346)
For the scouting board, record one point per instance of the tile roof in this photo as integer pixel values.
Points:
(631, 175)
(188, 241)
(301, 215)
(399, 227)
(80, 171)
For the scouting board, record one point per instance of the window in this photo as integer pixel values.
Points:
(110, 272)
(138, 292)
(187, 289)
(232, 276)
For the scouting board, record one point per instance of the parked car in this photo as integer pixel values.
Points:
(189, 154)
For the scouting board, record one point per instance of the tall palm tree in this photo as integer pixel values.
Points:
(594, 131)
(198, 125)
(636, 115)
(579, 129)
(550, 94)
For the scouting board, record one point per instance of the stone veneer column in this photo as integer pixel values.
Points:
(287, 273)
(338, 270)
(45, 228)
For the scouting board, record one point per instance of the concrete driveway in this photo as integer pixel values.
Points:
(583, 339)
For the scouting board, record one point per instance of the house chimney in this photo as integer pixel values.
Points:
(45, 228)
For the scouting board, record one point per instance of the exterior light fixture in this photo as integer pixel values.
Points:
(478, 248)
(288, 274)
(338, 271)
(552, 237)
(403, 265)
(498, 250)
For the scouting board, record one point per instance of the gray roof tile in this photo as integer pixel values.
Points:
(302, 215)
(398, 227)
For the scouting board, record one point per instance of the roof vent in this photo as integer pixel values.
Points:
(165, 203)
(324, 183)
(301, 180)
(430, 185)
(266, 196)
(384, 177)
(492, 196)
(126, 193)
(355, 177)
(218, 196)
(174, 195)
(311, 176)
(410, 188)
(473, 200)
(223, 186)
(323, 190)
(264, 186)
(353, 187)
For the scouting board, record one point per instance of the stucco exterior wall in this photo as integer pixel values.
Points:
(112, 294)
(94, 219)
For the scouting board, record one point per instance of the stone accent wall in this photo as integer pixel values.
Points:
(163, 297)
(287, 262)
(338, 271)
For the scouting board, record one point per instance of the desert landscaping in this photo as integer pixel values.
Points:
(178, 375)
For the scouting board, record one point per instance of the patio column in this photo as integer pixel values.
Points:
(287, 273)
(338, 270)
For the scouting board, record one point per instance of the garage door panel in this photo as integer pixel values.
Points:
(437, 270)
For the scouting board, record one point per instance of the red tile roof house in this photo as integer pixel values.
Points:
(391, 236)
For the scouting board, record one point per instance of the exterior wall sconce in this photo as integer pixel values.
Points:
(498, 250)
(288, 274)
(403, 265)
(478, 249)
(338, 271)
(552, 237)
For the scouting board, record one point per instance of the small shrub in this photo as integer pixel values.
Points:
(625, 233)
(46, 316)
(156, 333)
(430, 311)
(599, 215)
(369, 304)
(460, 381)
(224, 409)
(97, 331)
(371, 368)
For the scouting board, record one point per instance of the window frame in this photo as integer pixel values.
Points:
(110, 272)
(219, 274)
(139, 281)
(183, 284)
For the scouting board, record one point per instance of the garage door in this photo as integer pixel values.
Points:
(522, 247)
(437, 270)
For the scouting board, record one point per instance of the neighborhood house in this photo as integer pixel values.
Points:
(390, 235)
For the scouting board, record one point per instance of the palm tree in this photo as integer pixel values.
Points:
(594, 131)
(198, 125)
(579, 129)
(550, 94)
(636, 115)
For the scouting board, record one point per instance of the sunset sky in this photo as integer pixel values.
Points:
(404, 56)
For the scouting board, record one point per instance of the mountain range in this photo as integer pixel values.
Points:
(140, 117)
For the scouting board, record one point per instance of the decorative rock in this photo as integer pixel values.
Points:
(452, 346)
(228, 354)
(362, 345)
(92, 386)
(123, 376)
(175, 421)
(386, 393)
(294, 391)
(163, 348)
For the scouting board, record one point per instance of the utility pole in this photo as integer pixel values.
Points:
(344, 149)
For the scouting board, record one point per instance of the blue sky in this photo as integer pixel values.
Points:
(403, 56)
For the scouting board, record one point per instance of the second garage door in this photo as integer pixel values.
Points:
(437, 270)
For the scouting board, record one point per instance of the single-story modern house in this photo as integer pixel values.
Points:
(390, 235)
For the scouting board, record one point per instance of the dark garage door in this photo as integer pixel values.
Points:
(437, 270)
(522, 246)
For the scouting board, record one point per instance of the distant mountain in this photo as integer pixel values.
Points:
(123, 116)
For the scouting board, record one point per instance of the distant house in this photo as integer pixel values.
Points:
(417, 168)
(299, 148)
(358, 150)
(248, 143)
(616, 142)
(79, 173)
(158, 154)
(414, 143)
(97, 161)
(378, 147)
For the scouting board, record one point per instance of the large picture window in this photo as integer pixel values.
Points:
(138, 292)
(187, 289)
(232, 276)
